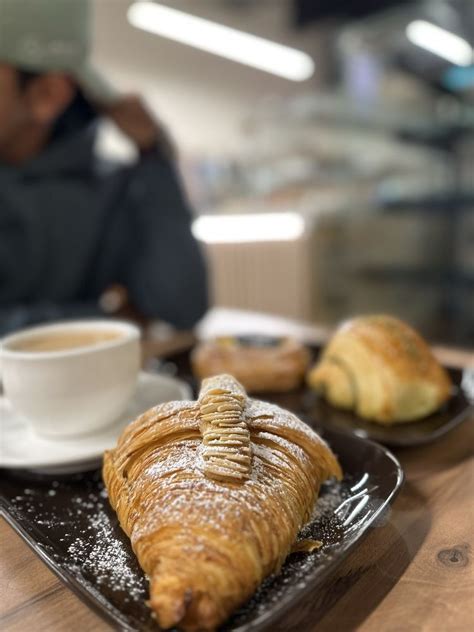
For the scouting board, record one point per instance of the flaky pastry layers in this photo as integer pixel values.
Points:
(382, 369)
(212, 494)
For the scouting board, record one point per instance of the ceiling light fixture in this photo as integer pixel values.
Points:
(221, 40)
(228, 229)
(440, 42)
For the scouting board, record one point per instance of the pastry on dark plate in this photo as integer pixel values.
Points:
(382, 369)
(212, 494)
(260, 363)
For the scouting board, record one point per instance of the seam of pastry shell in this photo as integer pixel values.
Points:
(351, 377)
(226, 448)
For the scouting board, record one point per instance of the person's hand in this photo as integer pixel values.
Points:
(133, 118)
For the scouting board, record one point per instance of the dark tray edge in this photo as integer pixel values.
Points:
(437, 434)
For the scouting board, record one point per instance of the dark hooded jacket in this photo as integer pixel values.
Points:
(72, 225)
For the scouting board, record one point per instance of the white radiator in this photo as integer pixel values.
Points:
(272, 276)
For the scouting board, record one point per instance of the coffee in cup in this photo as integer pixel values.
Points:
(64, 340)
(72, 378)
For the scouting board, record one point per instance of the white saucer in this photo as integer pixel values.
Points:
(21, 448)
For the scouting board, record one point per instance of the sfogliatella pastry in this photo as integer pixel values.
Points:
(380, 368)
(260, 363)
(212, 494)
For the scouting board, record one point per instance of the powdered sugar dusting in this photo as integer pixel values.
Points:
(105, 557)
(283, 445)
(87, 542)
(264, 414)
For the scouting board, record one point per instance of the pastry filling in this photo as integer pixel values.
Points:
(226, 450)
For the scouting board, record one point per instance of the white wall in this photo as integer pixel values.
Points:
(203, 98)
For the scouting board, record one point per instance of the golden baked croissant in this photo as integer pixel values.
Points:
(212, 494)
(382, 369)
(258, 367)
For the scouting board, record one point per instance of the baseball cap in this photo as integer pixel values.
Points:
(52, 35)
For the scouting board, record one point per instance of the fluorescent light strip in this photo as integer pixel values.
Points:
(221, 40)
(228, 229)
(440, 42)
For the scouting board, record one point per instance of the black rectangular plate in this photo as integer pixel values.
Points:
(69, 524)
(319, 414)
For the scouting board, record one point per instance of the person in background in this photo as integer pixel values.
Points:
(71, 225)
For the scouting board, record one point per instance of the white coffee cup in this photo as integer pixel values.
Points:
(71, 391)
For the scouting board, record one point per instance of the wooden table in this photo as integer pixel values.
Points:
(413, 574)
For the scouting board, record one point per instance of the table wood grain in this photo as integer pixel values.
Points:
(413, 573)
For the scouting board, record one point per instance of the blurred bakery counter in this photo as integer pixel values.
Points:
(325, 265)
(385, 194)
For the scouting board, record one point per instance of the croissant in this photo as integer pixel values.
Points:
(257, 365)
(212, 494)
(382, 369)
